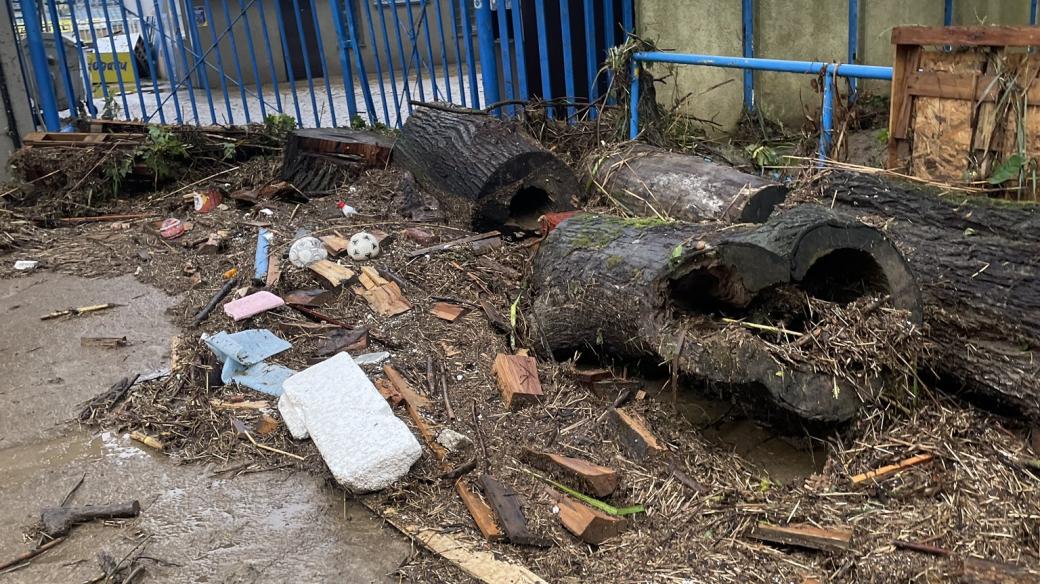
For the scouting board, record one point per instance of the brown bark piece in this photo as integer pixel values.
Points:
(448, 311)
(589, 376)
(633, 435)
(588, 524)
(977, 571)
(405, 388)
(506, 504)
(331, 273)
(382, 295)
(517, 380)
(480, 512)
(597, 480)
(806, 536)
(274, 271)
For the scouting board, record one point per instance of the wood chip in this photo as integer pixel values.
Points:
(517, 380)
(596, 480)
(448, 311)
(335, 244)
(405, 389)
(382, 295)
(331, 273)
(239, 405)
(633, 434)
(805, 536)
(506, 504)
(389, 392)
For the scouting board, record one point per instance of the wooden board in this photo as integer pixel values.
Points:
(335, 244)
(967, 36)
(506, 504)
(588, 524)
(405, 389)
(517, 377)
(806, 536)
(331, 273)
(480, 512)
(633, 435)
(382, 295)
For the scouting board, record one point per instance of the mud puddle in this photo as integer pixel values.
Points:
(198, 525)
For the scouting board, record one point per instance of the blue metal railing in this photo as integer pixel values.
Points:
(829, 71)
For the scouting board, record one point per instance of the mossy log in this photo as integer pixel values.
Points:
(653, 290)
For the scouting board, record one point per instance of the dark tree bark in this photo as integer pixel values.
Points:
(320, 159)
(649, 181)
(631, 289)
(486, 174)
(978, 264)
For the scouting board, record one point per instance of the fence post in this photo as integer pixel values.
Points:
(486, 41)
(41, 72)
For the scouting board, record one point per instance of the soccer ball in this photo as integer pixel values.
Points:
(307, 250)
(363, 246)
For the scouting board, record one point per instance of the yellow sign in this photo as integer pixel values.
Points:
(111, 69)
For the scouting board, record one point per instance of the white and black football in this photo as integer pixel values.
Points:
(363, 246)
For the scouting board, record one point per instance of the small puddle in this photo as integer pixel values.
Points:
(783, 459)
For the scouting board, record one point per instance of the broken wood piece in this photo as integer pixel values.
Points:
(309, 297)
(517, 380)
(320, 159)
(448, 311)
(588, 524)
(478, 564)
(921, 548)
(382, 295)
(79, 311)
(274, 271)
(495, 318)
(404, 388)
(633, 435)
(597, 480)
(343, 340)
(220, 404)
(880, 473)
(103, 342)
(331, 273)
(589, 376)
(419, 236)
(506, 504)
(834, 540)
(150, 441)
(483, 246)
(389, 392)
(479, 511)
(976, 571)
(57, 521)
(266, 425)
(335, 244)
(450, 244)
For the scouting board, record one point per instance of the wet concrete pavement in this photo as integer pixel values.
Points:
(277, 526)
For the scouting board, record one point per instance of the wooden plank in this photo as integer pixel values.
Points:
(805, 536)
(633, 435)
(967, 86)
(589, 376)
(588, 524)
(389, 392)
(885, 471)
(331, 273)
(975, 571)
(506, 504)
(967, 36)
(404, 388)
(517, 380)
(480, 512)
(450, 244)
(477, 564)
(382, 295)
(596, 480)
(335, 244)
(448, 311)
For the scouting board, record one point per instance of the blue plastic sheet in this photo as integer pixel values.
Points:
(244, 354)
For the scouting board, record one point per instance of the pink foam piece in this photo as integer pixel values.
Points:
(252, 305)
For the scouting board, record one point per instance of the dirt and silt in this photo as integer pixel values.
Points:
(217, 508)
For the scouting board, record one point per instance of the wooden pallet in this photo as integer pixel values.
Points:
(78, 139)
(947, 96)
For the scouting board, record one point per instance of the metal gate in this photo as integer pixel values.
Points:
(323, 62)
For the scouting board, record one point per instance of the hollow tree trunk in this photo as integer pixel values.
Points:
(485, 173)
(978, 263)
(320, 159)
(629, 288)
(651, 181)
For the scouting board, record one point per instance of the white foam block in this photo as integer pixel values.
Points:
(363, 443)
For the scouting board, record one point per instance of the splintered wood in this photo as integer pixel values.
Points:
(806, 536)
(588, 524)
(633, 435)
(596, 480)
(517, 380)
(382, 295)
(331, 273)
(885, 471)
(335, 244)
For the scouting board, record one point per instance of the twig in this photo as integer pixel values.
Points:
(921, 548)
(762, 327)
(202, 180)
(72, 491)
(31, 553)
(484, 461)
(447, 401)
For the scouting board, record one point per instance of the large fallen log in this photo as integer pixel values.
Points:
(978, 263)
(320, 159)
(651, 181)
(638, 289)
(485, 173)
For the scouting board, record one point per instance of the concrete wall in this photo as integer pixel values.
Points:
(814, 30)
(15, 118)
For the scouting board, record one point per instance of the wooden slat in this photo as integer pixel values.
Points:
(967, 36)
(480, 512)
(880, 473)
(806, 536)
(977, 88)
(506, 504)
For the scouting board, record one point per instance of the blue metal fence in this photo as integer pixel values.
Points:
(324, 62)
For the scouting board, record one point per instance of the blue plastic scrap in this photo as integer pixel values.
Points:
(244, 353)
(263, 243)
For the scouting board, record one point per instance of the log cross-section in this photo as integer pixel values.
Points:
(486, 173)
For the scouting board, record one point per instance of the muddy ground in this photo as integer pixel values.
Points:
(197, 524)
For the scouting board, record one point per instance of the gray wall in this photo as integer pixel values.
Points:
(15, 86)
(814, 30)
